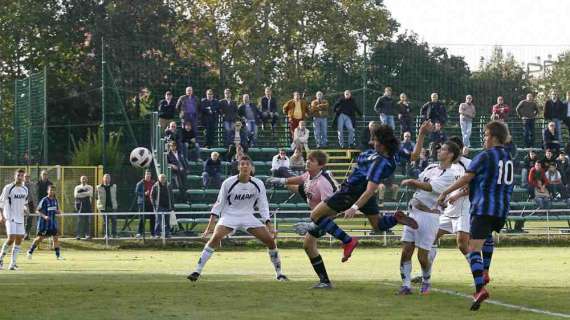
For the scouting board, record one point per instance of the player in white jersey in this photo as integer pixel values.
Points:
(234, 209)
(424, 209)
(13, 204)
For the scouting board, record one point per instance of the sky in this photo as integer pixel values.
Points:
(471, 28)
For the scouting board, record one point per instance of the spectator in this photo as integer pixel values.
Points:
(437, 138)
(466, 116)
(566, 112)
(229, 114)
(269, 109)
(365, 141)
(501, 110)
(542, 200)
(535, 175)
(386, 108)
(188, 145)
(319, 109)
(554, 182)
(406, 149)
(234, 154)
(162, 202)
(528, 163)
(346, 110)
(43, 185)
(405, 114)
(434, 110)
(32, 201)
(249, 112)
(212, 175)
(188, 106)
(240, 136)
(296, 111)
(549, 158)
(143, 189)
(555, 110)
(510, 147)
(527, 110)
(388, 183)
(178, 165)
(209, 108)
(166, 110)
(419, 165)
(550, 138)
(280, 165)
(301, 137)
(564, 169)
(107, 203)
(171, 133)
(297, 162)
(83, 194)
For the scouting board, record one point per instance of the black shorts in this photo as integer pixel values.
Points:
(344, 198)
(483, 226)
(47, 232)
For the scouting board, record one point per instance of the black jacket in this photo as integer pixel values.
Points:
(228, 110)
(434, 111)
(268, 105)
(209, 110)
(385, 105)
(554, 110)
(347, 106)
(167, 110)
(161, 199)
(256, 113)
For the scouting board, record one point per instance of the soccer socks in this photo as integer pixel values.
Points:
(432, 254)
(32, 248)
(275, 260)
(406, 273)
(328, 225)
(320, 270)
(15, 252)
(4, 249)
(57, 252)
(476, 263)
(387, 222)
(487, 250)
(204, 257)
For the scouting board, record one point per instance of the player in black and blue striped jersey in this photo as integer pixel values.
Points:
(490, 177)
(48, 209)
(356, 193)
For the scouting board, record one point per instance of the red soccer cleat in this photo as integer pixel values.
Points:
(478, 298)
(402, 218)
(486, 277)
(348, 248)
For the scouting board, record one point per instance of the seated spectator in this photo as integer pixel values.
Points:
(549, 158)
(252, 116)
(171, 133)
(437, 138)
(177, 164)
(280, 165)
(535, 175)
(235, 153)
(166, 110)
(550, 138)
(554, 182)
(189, 147)
(501, 110)
(240, 136)
(301, 137)
(528, 163)
(212, 175)
(297, 162)
(388, 183)
(406, 149)
(542, 198)
(564, 169)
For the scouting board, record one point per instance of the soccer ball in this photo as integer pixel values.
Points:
(141, 157)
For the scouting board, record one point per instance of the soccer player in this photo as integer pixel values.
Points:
(423, 208)
(315, 185)
(234, 209)
(490, 177)
(13, 204)
(356, 193)
(48, 208)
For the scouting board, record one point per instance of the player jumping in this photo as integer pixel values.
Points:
(48, 208)
(490, 177)
(234, 209)
(13, 203)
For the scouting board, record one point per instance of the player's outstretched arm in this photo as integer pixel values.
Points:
(425, 186)
(371, 188)
(461, 182)
(425, 128)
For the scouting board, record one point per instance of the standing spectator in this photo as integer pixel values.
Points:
(32, 200)
(43, 185)
(83, 194)
(501, 110)
(269, 109)
(510, 147)
(249, 112)
(434, 110)
(555, 110)
(107, 203)
(406, 149)
(437, 138)
(564, 169)
(554, 182)
(386, 108)
(178, 165)
(234, 154)
(527, 110)
(528, 163)
(187, 106)
(566, 111)
(405, 114)
(466, 116)
(188, 144)
(162, 202)
(319, 109)
(209, 108)
(280, 165)
(144, 203)
(536, 174)
(229, 114)
(550, 137)
(297, 162)
(166, 110)
(301, 137)
(171, 133)
(346, 111)
(549, 158)
(212, 175)
(296, 110)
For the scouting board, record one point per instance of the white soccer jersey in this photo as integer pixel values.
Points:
(439, 179)
(239, 199)
(13, 201)
(461, 205)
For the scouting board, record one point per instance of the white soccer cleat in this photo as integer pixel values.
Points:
(60, 258)
(29, 255)
(13, 267)
(282, 277)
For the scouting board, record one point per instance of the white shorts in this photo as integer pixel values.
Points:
(455, 224)
(15, 228)
(424, 236)
(240, 222)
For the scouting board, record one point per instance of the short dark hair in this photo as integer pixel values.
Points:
(385, 135)
(454, 148)
(320, 156)
(51, 186)
(245, 157)
(498, 130)
(20, 170)
(457, 140)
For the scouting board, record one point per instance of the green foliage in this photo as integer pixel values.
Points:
(558, 78)
(89, 151)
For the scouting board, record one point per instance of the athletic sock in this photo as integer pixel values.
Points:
(406, 273)
(32, 248)
(4, 249)
(57, 252)
(328, 225)
(387, 222)
(426, 274)
(487, 250)
(274, 257)
(432, 254)
(476, 263)
(204, 257)
(320, 270)
(15, 252)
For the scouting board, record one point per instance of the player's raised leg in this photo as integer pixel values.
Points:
(263, 235)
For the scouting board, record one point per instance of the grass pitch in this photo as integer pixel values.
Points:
(239, 285)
